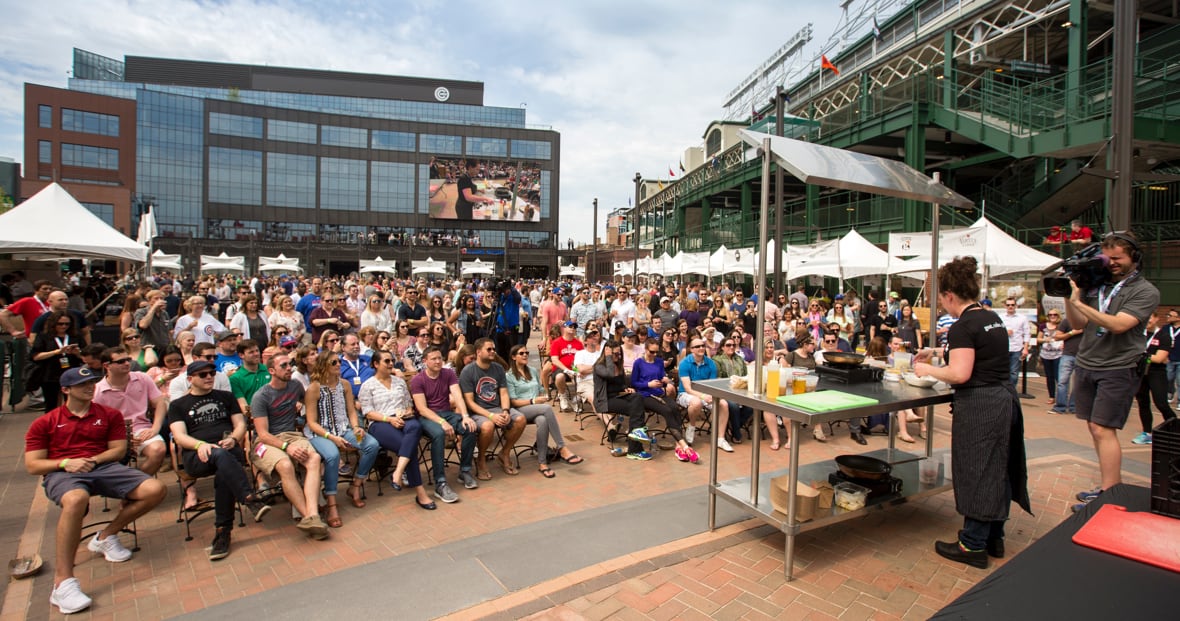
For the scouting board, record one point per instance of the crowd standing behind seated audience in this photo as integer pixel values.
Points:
(331, 367)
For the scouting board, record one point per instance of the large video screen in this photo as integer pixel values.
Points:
(501, 190)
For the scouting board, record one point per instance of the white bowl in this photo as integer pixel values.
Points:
(925, 381)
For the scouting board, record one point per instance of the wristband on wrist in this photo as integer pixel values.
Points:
(327, 436)
(198, 446)
(62, 464)
(283, 448)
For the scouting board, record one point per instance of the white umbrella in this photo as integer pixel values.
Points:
(471, 268)
(428, 267)
(280, 263)
(572, 271)
(163, 261)
(222, 263)
(378, 265)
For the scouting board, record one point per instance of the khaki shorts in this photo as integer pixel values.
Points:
(272, 456)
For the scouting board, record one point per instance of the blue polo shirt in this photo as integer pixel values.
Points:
(706, 370)
(355, 373)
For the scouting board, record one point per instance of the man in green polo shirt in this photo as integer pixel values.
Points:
(250, 376)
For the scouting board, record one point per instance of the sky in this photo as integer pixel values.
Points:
(628, 84)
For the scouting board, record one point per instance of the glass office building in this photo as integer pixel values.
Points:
(318, 164)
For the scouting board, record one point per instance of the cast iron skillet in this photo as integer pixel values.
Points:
(843, 359)
(863, 467)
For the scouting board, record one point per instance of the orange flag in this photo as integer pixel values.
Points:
(824, 63)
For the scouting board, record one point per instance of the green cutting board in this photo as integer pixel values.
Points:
(825, 401)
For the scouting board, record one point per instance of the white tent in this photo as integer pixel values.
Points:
(860, 257)
(623, 268)
(737, 261)
(52, 224)
(819, 259)
(671, 265)
(477, 267)
(429, 266)
(770, 248)
(280, 263)
(222, 263)
(998, 253)
(161, 261)
(572, 271)
(378, 265)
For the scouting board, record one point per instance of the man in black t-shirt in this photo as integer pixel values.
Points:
(208, 425)
(468, 193)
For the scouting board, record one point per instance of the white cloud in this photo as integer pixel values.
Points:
(628, 85)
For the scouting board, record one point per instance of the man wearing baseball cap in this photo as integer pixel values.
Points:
(77, 448)
(561, 352)
(208, 426)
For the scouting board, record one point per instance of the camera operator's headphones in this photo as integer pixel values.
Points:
(1136, 251)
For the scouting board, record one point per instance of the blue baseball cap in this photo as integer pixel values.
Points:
(78, 375)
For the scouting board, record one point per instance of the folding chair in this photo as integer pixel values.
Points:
(188, 515)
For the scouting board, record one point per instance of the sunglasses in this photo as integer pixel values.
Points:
(281, 333)
(285, 365)
(63, 323)
(829, 340)
(697, 346)
(332, 341)
(209, 357)
(205, 374)
(335, 362)
(121, 361)
(727, 344)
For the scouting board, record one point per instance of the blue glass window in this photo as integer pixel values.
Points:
(446, 145)
(89, 122)
(393, 141)
(290, 131)
(105, 211)
(170, 158)
(392, 187)
(44, 152)
(89, 157)
(235, 176)
(290, 180)
(44, 116)
(343, 184)
(546, 176)
(532, 149)
(487, 147)
(235, 125)
(344, 136)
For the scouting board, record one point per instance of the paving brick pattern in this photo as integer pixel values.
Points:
(882, 566)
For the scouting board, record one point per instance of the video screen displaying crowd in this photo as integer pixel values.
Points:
(257, 380)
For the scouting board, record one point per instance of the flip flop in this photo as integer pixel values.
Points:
(573, 459)
(509, 469)
(547, 472)
(483, 475)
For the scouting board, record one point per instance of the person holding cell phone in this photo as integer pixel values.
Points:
(55, 350)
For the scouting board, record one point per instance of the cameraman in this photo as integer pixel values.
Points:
(1112, 318)
(507, 324)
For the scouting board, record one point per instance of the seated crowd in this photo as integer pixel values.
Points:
(300, 385)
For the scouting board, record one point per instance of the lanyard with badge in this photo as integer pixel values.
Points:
(62, 344)
(356, 369)
(1104, 300)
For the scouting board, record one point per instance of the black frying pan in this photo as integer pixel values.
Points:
(841, 358)
(863, 467)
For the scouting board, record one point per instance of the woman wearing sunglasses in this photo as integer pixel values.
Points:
(387, 406)
(525, 396)
(376, 315)
(332, 427)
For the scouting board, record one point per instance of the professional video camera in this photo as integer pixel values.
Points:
(1089, 268)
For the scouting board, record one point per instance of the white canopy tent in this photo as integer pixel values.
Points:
(998, 253)
(477, 268)
(222, 263)
(819, 259)
(281, 263)
(860, 257)
(161, 261)
(572, 271)
(429, 266)
(623, 268)
(378, 265)
(53, 225)
(737, 261)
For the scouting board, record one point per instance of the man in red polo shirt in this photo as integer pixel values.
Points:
(77, 448)
(561, 353)
(1080, 234)
(28, 309)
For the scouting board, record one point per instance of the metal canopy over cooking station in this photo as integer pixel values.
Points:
(836, 168)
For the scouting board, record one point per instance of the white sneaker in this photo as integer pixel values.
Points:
(690, 433)
(723, 444)
(565, 404)
(68, 597)
(110, 547)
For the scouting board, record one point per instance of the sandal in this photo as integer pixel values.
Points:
(572, 459)
(355, 493)
(333, 516)
(508, 468)
(483, 474)
(547, 472)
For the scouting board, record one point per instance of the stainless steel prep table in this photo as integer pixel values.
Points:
(752, 492)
